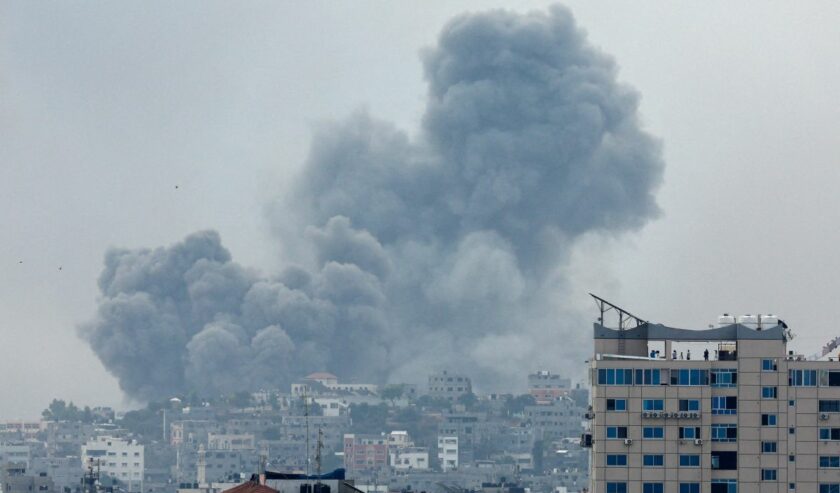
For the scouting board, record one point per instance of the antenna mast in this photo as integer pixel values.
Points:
(306, 418)
(625, 318)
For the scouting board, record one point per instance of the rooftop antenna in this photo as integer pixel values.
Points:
(318, 454)
(306, 418)
(625, 318)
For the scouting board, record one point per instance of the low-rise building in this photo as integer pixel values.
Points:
(449, 386)
(365, 453)
(448, 452)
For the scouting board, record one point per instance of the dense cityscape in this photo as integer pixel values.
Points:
(387, 438)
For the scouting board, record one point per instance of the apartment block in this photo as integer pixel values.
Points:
(721, 410)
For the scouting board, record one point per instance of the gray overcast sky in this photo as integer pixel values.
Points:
(105, 108)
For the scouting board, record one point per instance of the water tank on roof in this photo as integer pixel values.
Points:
(750, 321)
(725, 319)
(768, 321)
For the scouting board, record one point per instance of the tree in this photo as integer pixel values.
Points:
(516, 405)
(369, 419)
(392, 393)
(469, 400)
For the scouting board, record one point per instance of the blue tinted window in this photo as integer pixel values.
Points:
(616, 460)
(653, 460)
(653, 432)
(616, 487)
(692, 460)
(653, 405)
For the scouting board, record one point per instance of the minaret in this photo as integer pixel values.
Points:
(201, 473)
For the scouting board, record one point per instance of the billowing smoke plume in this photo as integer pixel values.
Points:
(442, 250)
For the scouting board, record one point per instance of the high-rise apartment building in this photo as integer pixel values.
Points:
(722, 410)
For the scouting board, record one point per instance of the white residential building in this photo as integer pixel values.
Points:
(118, 458)
(15, 453)
(410, 458)
(448, 452)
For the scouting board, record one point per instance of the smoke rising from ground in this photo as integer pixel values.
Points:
(443, 249)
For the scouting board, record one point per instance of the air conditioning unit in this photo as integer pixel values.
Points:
(589, 415)
(666, 415)
(824, 416)
(695, 415)
(683, 415)
(646, 414)
(628, 441)
(698, 441)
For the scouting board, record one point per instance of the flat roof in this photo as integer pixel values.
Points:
(658, 332)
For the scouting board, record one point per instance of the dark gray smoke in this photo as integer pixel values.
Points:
(414, 253)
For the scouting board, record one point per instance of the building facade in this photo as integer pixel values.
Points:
(449, 386)
(119, 459)
(743, 416)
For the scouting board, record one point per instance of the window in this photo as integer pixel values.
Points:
(616, 432)
(829, 433)
(768, 365)
(726, 377)
(615, 376)
(829, 488)
(689, 377)
(617, 460)
(802, 378)
(653, 405)
(616, 487)
(653, 460)
(768, 474)
(724, 486)
(791, 458)
(653, 432)
(689, 487)
(768, 420)
(648, 377)
(724, 404)
(724, 432)
(791, 430)
(768, 392)
(792, 486)
(616, 405)
(689, 405)
(829, 406)
(725, 460)
(829, 378)
(768, 447)
(689, 432)
(829, 461)
(791, 403)
(652, 488)
(689, 460)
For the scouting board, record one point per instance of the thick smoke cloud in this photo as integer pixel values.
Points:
(414, 253)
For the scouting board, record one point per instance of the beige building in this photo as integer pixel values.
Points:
(739, 415)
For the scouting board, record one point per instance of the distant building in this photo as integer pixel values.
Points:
(364, 453)
(448, 452)
(66, 472)
(15, 479)
(226, 441)
(449, 386)
(118, 458)
(67, 437)
(323, 382)
(410, 458)
(560, 419)
(545, 386)
(15, 453)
